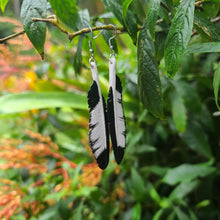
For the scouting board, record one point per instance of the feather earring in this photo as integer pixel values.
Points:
(98, 125)
(116, 118)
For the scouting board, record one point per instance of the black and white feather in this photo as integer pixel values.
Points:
(116, 118)
(98, 125)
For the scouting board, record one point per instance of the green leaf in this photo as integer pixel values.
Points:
(203, 204)
(36, 31)
(183, 189)
(152, 15)
(66, 11)
(116, 9)
(3, 4)
(187, 172)
(77, 63)
(136, 186)
(39, 100)
(154, 195)
(179, 36)
(210, 8)
(125, 6)
(83, 19)
(160, 39)
(158, 214)
(178, 111)
(148, 75)
(138, 7)
(216, 84)
(210, 47)
(190, 96)
(206, 27)
(136, 212)
(181, 215)
(196, 139)
(50, 213)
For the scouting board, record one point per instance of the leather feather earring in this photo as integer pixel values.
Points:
(98, 125)
(116, 118)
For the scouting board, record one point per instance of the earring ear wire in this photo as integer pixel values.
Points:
(90, 44)
(112, 52)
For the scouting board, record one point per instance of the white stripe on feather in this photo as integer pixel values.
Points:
(118, 109)
(97, 118)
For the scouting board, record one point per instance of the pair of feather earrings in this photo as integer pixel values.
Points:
(106, 120)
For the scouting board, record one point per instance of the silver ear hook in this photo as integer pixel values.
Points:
(112, 52)
(90, 44)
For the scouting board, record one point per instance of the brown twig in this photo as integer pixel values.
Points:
(2, 40)
(197, 4)
(164, 6)
(82, 31)
(215, 20)
(53, 20)
(87, 30)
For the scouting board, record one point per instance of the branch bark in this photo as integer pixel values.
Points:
(2, 40)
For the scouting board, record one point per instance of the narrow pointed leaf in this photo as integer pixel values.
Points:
(125, 6)
(36, 31)
(210, 47)
(136, 212)
(77, 63)
(187, 172)
(184, 189)
(148, 75)
(152, 15)
(39, 100)
(196, 139)
(216, 84)
(3, 4)
(179, 36)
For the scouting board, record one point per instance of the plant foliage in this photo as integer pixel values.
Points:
(168, 62)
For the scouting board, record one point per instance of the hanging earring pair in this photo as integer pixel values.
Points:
(102, 120)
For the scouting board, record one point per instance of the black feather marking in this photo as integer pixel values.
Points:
(103, 159)
(93, 96)
(107, 135)
(118, 84)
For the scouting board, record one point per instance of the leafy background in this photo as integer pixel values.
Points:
(171, 165)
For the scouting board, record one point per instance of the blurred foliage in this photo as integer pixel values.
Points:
(47, 171)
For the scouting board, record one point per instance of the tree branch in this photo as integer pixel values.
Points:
(197, 4)
(87, 30)
(2, 40)
(55, 22)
